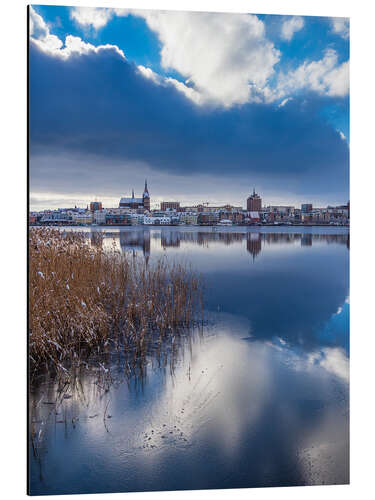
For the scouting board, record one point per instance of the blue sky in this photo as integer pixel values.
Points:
(204, 105)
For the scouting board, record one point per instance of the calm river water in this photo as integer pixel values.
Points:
(260, 399)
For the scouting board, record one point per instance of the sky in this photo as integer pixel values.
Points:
(206, 106)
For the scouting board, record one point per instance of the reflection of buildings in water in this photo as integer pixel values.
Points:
(306, 240)
(96, 239)
(203, 238)
(254, 244)
(139, 240)
(170, 239)
(136, 241)
(227, 238)
(287, 238)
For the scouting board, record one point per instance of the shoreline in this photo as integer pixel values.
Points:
(253, 226)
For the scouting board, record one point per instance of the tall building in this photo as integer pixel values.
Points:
(137, 203)
(169, 205)
(306, 207)
(96, 205)
(254, 202)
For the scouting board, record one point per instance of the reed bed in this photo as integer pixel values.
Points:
(84, 301)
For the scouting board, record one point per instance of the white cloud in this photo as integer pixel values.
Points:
(325, 77)
(38, 28)
(41, 36)
(91, 16)
(39, 32)
(291, 26)
(337, 80)
(340, 26)
(189, 92)
(149, 74)
(226, 57)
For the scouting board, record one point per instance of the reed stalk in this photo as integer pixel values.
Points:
(84, 300)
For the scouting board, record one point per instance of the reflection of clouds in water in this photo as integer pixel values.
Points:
(261, 400)
(209, 396)
(324, 449)
(341, 308)
(332, 359)
(222, 389)
(235, 405)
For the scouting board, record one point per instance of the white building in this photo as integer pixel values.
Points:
(82, 218)
(99, 216)
(225, 222)
(162, 221)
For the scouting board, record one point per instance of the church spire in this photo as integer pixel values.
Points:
(132, 193)
(146, 198)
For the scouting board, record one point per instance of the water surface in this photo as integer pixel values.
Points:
(260, 398)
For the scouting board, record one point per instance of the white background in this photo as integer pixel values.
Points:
(13, 243)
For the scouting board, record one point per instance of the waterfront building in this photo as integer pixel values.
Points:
(252, 217)
(80, 218)
(137, 203)
(118, 219)
(225, 222)
(95, 205)
(169, 205)
(161, 220)
(208, 218)
(236, 217)
(99, 216)
(56, 217)
(306, 207)
(189, 218)
(254, 202)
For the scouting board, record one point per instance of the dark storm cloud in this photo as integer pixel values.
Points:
(100, 106)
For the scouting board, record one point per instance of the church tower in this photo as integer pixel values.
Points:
(146, 197)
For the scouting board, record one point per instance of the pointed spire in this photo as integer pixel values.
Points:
(254, 191)
(146, 190)
(132, 193)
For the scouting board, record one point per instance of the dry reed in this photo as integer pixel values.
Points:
(83, 300)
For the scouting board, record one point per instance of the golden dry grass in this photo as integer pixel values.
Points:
(83, 300)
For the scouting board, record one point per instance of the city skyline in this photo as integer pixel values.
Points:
(157, 202)
(134, 210)
(262, 106)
